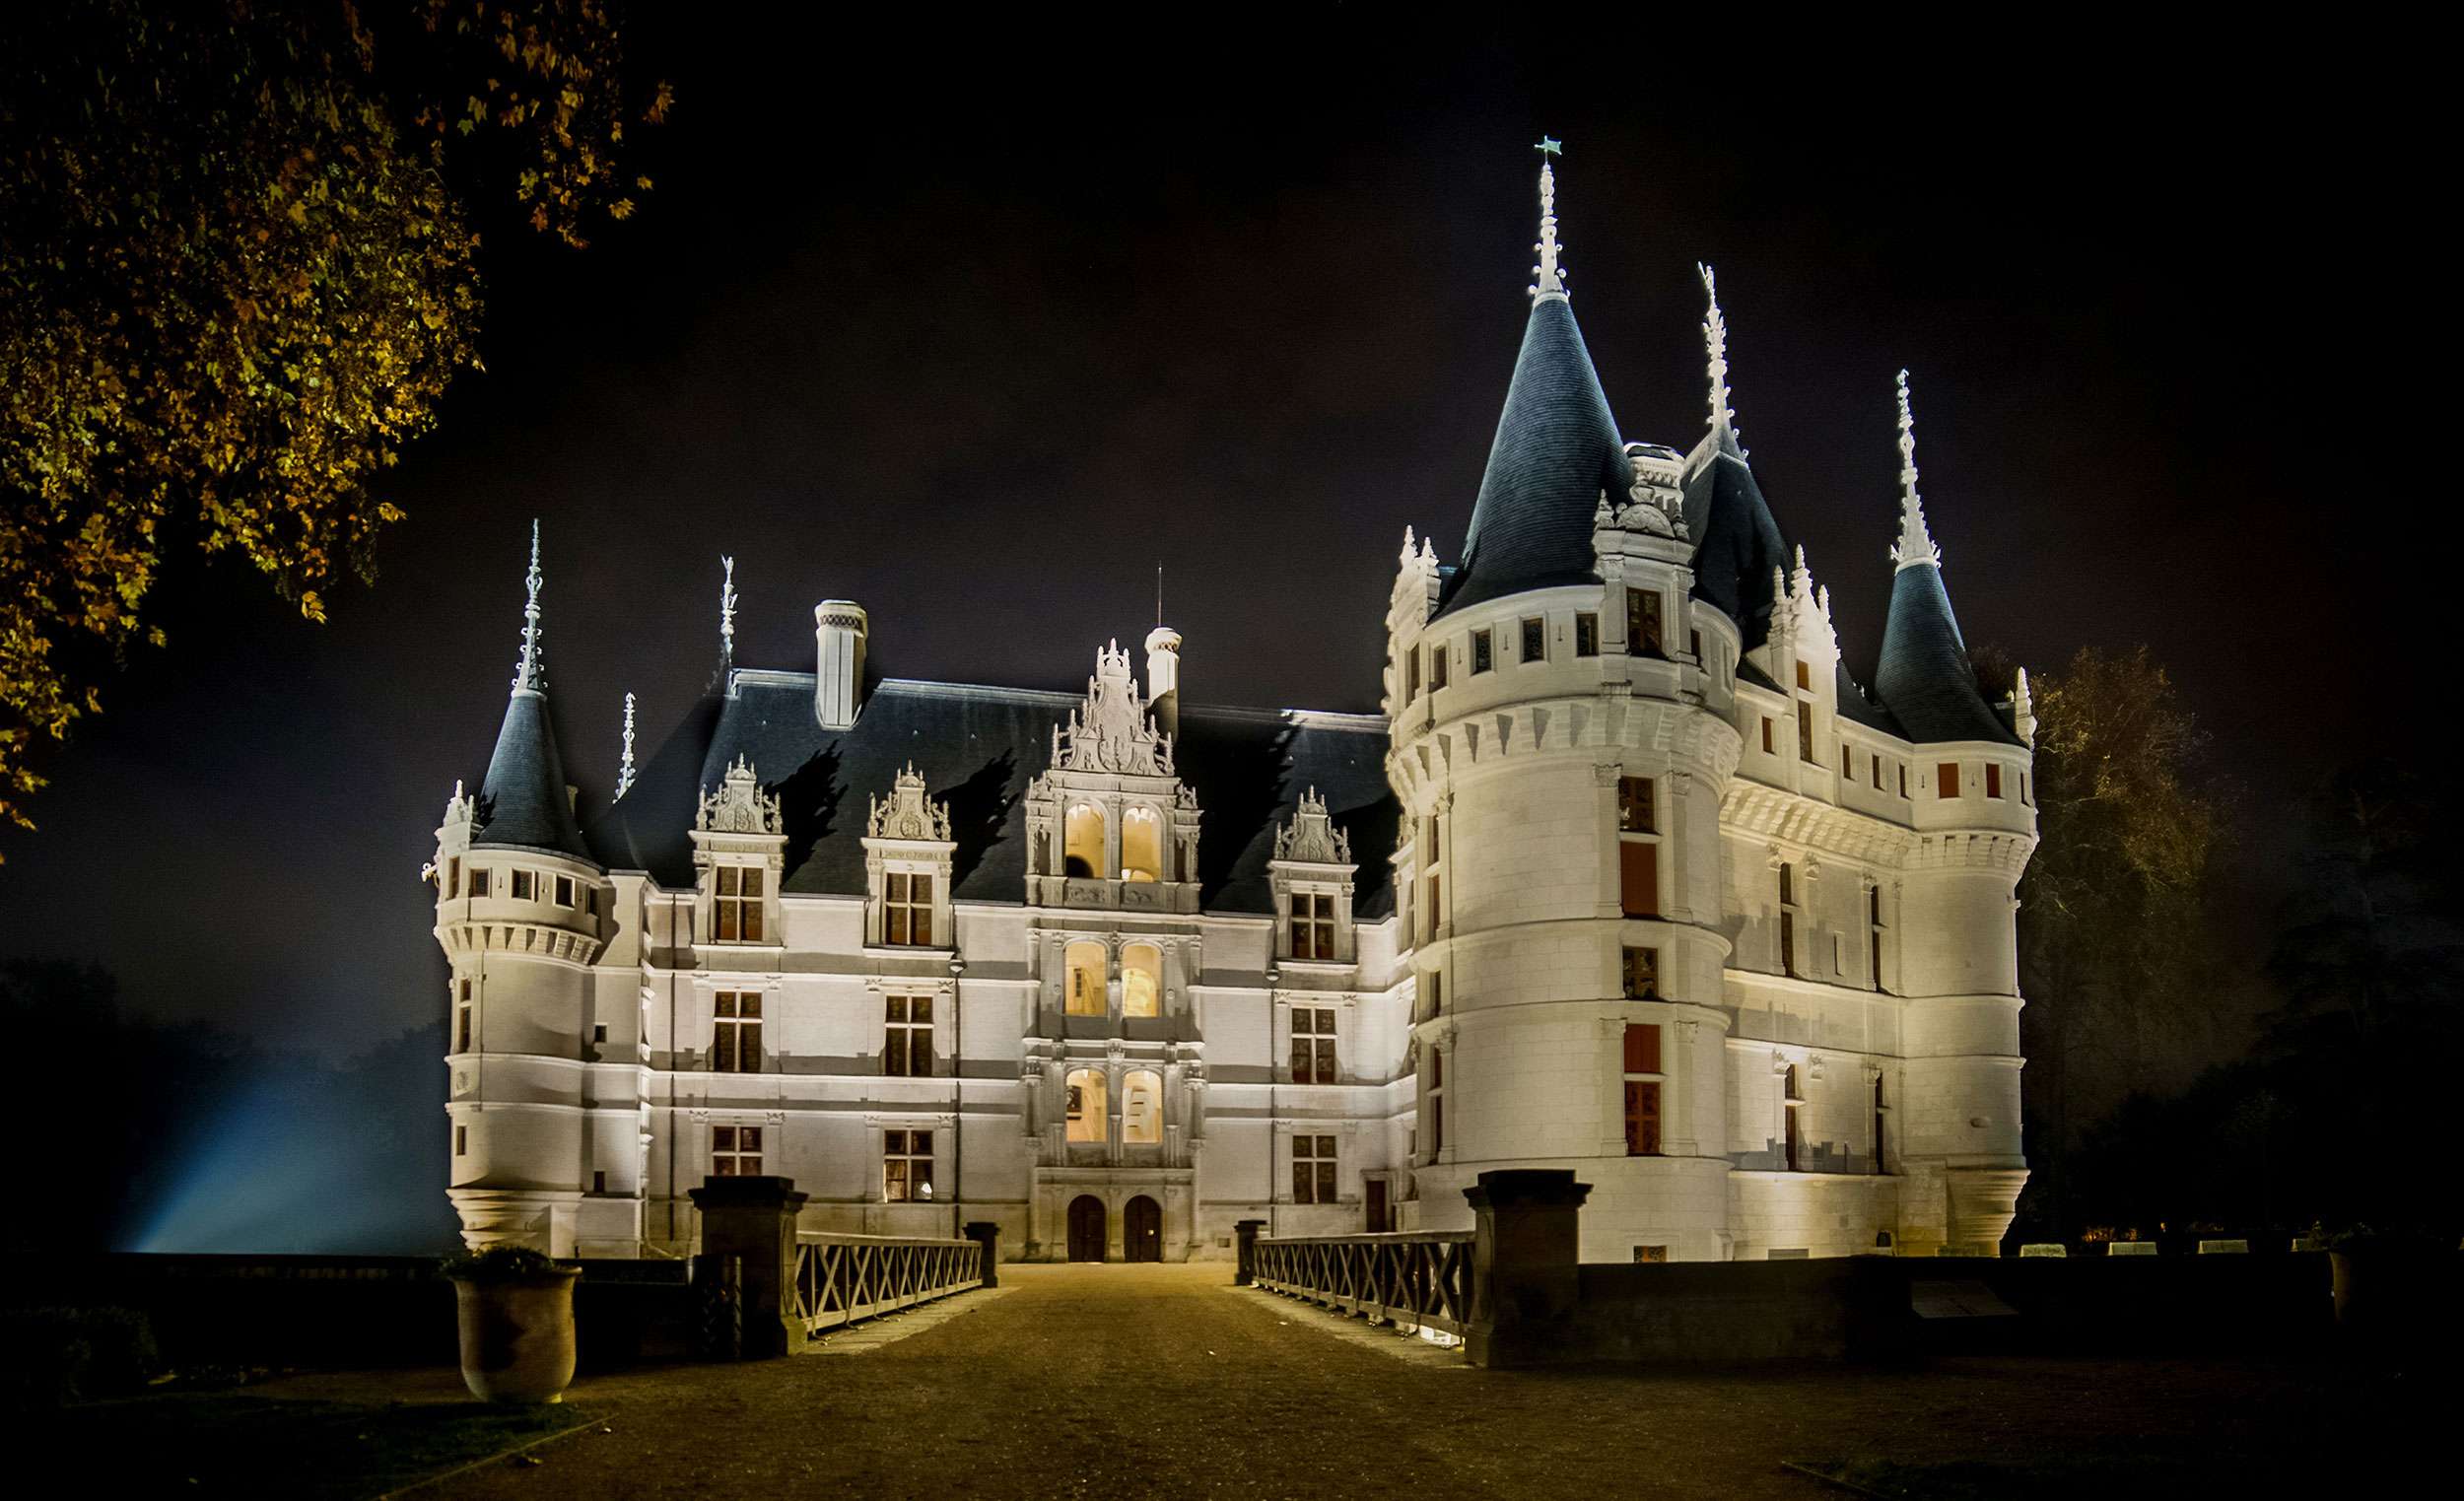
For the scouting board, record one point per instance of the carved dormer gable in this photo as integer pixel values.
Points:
(1111, 731)
(908, 814)
(1309, 837)
(739, 806)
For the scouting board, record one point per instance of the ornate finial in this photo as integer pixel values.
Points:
(2023, 710)
(1715, 344)
(726, 613)
(1309, 835)
(1916, 543)
(526, 673)
(1551, 278)
(624, 767)
(906, 813)
(739, 805)
(1410, 545)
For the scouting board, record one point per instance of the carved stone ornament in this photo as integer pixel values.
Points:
(1309, 837)
(908, 813)
(739, 806)
(459, 810)
(1109, 731)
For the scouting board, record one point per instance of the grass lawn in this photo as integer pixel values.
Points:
(212, 1444)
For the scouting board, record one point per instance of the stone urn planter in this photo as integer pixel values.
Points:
(515, 1308)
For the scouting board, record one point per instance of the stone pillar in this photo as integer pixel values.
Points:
(1525, 1264)
(755, 1219)
(986, 1234)
(1245, 1238)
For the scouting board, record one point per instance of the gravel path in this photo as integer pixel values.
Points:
(1123, 1382)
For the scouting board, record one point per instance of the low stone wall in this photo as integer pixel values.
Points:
(342, 1312)
(1837, 1309)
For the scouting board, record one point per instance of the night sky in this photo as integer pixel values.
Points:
(975, 332)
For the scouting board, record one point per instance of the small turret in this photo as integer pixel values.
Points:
(1163, 678)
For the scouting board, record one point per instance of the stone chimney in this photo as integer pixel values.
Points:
(1163, 679)
(839, 628)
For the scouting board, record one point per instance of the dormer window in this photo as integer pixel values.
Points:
(738, 839)
(736, 904)
(1311, 874)
(1313, 925)
(1142, 846)
(906, 866)
(907, 909)
(1644, 635)
(1082, 842)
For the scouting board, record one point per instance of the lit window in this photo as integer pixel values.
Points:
(1805, 676)
(1313, 925)
(1642, 974)
(1085, 1107)
(737, 905)
(1142, 846)
(907, 909)
(1642, 1090)
(1313, 1045)
(736, 1151)
(1082, 852)
(1141, 1108)
(1587, 634)
(1643, 637)
(735, 1032)
(1083, 969)
(1312, 1170)
(906, 1166)
(1141, 980)
(1480, 653)
(906, 1038)
(1535, 640)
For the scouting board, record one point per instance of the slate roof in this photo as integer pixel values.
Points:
(1737, 542)
(1556, 449)
(1924, 674)
(978, 748)
(523, 801)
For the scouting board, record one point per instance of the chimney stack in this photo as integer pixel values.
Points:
(839, 627)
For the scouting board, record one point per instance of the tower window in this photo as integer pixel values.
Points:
(1788, 919)
(1946, 779)
(1766, 738)
(1635, 814)
(1411, 674)
(1693, 644)
(1878, 774)
(1436, 1108)
(1879, 1110)
(1642, 1090)
(1312, 1170)
(1437, 665)
(526, 885)
(906, 1166)
(1642, 974)
(478, 880)
(1535, 641)
(1587, 634)
(1993, 779)
(1792, 1148)
(1847, 762)
(1313, 925)
(737, 906)
(1903, 780)
(1430, 904)
(735, 1032)
(1643, 637)
(564, 891)
(1480, 653)
(462, 1029)
(461, 1142)
(907, 908)
(906, 1038)
(1313, 1045)
(1873, 931)
(454, 877)
(736, 1151)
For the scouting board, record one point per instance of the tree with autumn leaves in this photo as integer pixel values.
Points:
(238, 272)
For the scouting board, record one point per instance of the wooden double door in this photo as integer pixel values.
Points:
(1090, 1229)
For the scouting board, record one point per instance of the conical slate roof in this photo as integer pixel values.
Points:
(1556, 450)
(1736, 543)
(523, 802)
(1925, 679)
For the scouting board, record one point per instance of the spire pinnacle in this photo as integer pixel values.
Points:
(1715, 346)
(526, 675)
(1550, 278)
(1916, 543)
(726, 613)
(624, 767)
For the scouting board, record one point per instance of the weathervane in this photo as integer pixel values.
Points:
(526, 675)
(624, 768)
(1549, 278)
(1715, 344)
(1916, 542)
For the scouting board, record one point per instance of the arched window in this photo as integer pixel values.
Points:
(1085, 966)
(1082, 844)
(1085, 1090)
(1142, 846)
(1141, 980)
(1141, 1108)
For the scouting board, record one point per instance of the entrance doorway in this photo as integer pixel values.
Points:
(1381, 1219)
(1087, 1228)
(1143, 1230)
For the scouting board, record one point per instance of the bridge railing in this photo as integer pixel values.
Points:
(1416, 1278)
(843, 1278)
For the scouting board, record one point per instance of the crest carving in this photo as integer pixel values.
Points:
(1111, 731)
(739, 806)
(908, 813)
(1309, 835)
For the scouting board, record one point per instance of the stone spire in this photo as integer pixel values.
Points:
(1715, 346)
(726, 614)
(1915, 544)
(624, 767)
(527, 676)
(2023, 710)
(1549, 277)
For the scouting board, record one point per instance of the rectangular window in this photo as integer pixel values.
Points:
(738, 905)
(1313, 1045)
(1638, 877)
(1652, 1253)
(1693, 643)
(1642, 974)
(478, 880)
(1805, 676)
(736, 1151)
(1587, 634)
(454, 877)
(1437, 665)
(1480, 653)
(1535, 641)
(598, 1034)
(1903, 779)
(1437, 1102)
(1993, 779)
(1642, 1047)
(1313, 925)
(1766, 738)
(1805, 732)
(735, 1032)
(1878, 774)
(1636, 810)
(2024, 787)
(462, 1030)
(461, 1142)
(1881, 1112)
(906, 1166)
(1874, 930)
(1642, 623)
(1847, 763)
(1788, 943)
(1946, 779)
(564, 891)
(1642, 1090)
(598, 1181)
(906, 1038)
(1411, 674)
(907, 909)
(1430, 904)
(1436, 847)
(1434, 986)
(1312, 1170)
(526, 885)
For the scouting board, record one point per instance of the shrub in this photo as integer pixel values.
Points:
(52, 1356)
